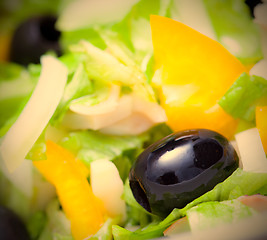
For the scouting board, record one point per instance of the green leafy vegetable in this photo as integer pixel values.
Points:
(36, 224)
(57, 225)
(91, 145)
(78, 85)
(16, 86)
(212, 214)
(237, 185)
(235, 29)
(105, 232)
(102, 65)
(243, 96)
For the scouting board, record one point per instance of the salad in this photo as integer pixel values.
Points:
(140, 120)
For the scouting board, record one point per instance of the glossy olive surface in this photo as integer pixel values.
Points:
(11, 226)
(33, 38)
(179, 168)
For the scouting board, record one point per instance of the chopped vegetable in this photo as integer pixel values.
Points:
(189, 66)
(213, 214)
(235, 29)
(83, 209)
(4, 47)
(20, 138)
(261, 123)
(251, 151)
(237, 185)
(108, 186)
(243, 96)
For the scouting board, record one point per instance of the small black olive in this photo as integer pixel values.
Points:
(11, 226)
(179, 168)
(33, 38)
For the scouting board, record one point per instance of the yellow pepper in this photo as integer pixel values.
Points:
(82, 208)
(261, 124)
(4, 47)
(196, 71)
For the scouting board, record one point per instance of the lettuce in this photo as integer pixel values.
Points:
(105, 232)
(36, 224)
(78, 85)
(237, 185)
(69, 38)
(243, 96)
(90, 146)
(212, 214)
(16, 86)
(230, 20)
(235, 29)
(57, 225)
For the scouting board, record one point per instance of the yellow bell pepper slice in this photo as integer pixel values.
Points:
(82, 208)
(261, 124)
(4, 47)
(200, 69)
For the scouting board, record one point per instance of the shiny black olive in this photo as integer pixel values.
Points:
(33, 38)
(11, 226)
(179, 168)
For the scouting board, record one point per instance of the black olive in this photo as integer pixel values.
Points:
(33, 38)
(11, 226)
(180, 168)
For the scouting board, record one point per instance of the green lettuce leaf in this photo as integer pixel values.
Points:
(105, 232)
(16, 86)
(237, 185)
(136, 215)
(212, 214)
(92, 145)
(103, 66)
(134, 29)
(78, 85)
(69, 38)
(35, 224)
(243, 96)
(57, 225)
(235, 29)
(132, 32)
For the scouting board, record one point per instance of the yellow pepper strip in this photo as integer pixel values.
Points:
(200, 69)
(261, 124)
(82, 208)
(4, 47)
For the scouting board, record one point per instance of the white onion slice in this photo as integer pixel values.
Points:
(20, 138)
(108, 186)
(134, 124)
(251, 151)
(77, 121)
(152, 110)
(259, 69)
